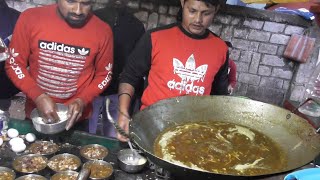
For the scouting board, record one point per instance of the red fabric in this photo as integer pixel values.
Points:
(64, 62)
(189, 69)
(232, 73)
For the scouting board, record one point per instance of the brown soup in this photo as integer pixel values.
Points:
(99, 170)
(43, 147)
(63, 162)
(65, 176)
(30, 163)
(220, 147)
(6, 175)
(94, 152)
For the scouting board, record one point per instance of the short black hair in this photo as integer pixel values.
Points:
(214, 2)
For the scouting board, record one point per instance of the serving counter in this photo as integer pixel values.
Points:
(71, 141)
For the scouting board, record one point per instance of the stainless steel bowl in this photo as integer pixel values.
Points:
(54, 128)
(31, 176)
(128, 161)
(30, 163)
(93, 152)
(70, 175)
(99, 169)
(45, 148)
(7, 173)
(64, 162)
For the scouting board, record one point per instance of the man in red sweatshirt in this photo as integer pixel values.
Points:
(179, 59)
(61, 53)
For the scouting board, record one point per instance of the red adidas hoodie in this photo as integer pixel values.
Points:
(48, 56)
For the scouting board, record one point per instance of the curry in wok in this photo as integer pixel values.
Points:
(220, 147)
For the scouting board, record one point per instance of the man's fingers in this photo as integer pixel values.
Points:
(71, 121)
(74, 116)
(122, 138)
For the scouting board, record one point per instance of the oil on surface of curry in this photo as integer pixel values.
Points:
(220, 147)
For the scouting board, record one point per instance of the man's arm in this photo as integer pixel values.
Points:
(139, 63)
(101, 80)
(220, 83)
(103, 69)
(16, 65)
(16, 68)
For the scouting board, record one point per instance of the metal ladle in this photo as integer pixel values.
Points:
(136, 155)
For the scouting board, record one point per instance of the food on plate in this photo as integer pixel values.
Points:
(94, 152)
(99, 169)
(63, 162)
(65, 175)
(6, 174)
(43, 147)
(30, 163)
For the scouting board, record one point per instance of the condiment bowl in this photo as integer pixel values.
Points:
(129, 162)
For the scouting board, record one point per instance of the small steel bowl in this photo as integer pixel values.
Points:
(70, 175)
(63, 162)
(45, 148)
(129, 163)
(93, 152)
(36, 159)
(31, 176)
(54, 128)
(99, 169)
(7, 173)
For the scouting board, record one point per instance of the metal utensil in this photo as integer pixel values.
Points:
(136, 155)
(84, 174)
(110, 118)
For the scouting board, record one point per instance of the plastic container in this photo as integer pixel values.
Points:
(4, 120)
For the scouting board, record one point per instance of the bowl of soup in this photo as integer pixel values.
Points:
(7, 173)
(30, 163)
(64, 162)
(99, 169)
(93, 152)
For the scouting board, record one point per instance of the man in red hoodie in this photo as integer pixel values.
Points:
(61, 53)
(179, 59)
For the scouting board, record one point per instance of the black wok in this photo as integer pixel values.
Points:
(297, 138)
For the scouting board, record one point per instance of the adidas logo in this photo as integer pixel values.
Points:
(83, 51)
(15, 67)
(109, 67)
(66, 48)
(188, 74)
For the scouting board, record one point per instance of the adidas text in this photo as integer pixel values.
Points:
(189, 88)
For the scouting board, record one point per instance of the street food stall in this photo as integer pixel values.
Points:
(147, 125)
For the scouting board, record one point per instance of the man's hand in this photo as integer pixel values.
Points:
(47, 109)
(75, 112)
(123, 122)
